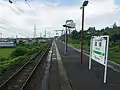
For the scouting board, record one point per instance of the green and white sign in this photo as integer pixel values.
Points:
(99, 51)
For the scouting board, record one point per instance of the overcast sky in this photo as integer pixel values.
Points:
(19, 18)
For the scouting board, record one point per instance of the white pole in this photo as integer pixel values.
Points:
(90, 54)
(105, 72)
(106, 59)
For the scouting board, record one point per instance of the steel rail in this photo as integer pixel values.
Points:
(31, 64)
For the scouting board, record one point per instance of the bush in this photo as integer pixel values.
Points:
(2, 59)
(19, 52)
(11, 64)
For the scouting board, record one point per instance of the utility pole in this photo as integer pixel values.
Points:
(34, 35)
(85, 3)
(40, 35)
(45, 33)
(82, 36)
(1, 35)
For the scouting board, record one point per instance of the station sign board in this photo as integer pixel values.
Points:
(70, 25)
(99, 51)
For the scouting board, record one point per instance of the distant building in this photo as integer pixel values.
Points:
(34, 40)
(7, 44)
(41, 40)
(17, 41)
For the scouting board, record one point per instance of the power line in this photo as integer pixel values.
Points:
(26, 1)
(11, 30)
(14, 28)
(2, 2)
(15, 11)
(30, 6)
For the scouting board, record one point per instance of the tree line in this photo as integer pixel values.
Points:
(113, 32)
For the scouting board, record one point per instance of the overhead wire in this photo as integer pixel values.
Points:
(11, 27)
(15, 11)
(30, 6)
(18, 8)
(2, 2)
(10, 1)
(11, 31)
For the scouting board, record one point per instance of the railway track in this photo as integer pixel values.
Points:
(20, 80)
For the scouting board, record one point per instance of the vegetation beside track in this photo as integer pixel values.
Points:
(18, 56)
(5, 52)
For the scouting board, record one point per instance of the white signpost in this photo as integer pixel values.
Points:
(99, 51)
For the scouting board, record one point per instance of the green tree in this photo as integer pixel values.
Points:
(74, 34)
(19, 51)
(91, 30)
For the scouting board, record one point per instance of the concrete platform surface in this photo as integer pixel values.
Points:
(80, 78)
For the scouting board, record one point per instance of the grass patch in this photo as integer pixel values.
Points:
(114, 53)
(114, 50)
(77, 44)
(5, 52)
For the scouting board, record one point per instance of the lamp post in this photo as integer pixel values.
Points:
(65, 51)
(68, 24)
(82, 34)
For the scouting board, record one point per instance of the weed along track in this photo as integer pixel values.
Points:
(20, 80)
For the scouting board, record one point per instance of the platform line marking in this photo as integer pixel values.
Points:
(44, 85)
(54, 58)
(53, 54)
(65, 84)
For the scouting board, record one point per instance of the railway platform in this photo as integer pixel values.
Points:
(66, 72)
